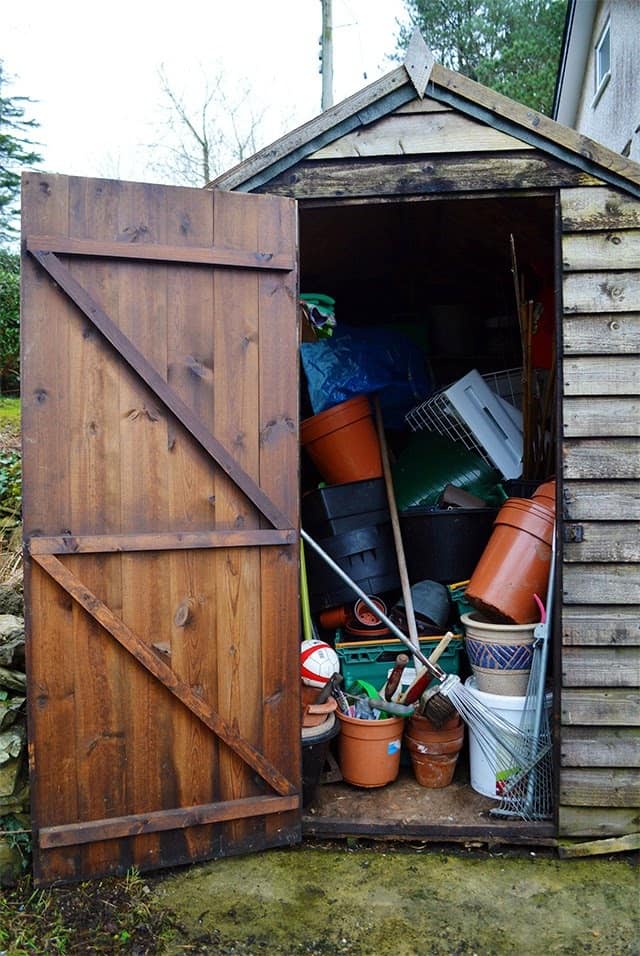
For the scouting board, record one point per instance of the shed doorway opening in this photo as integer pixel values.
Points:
(447, 281)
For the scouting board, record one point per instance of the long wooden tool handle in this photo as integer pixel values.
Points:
(395, 525)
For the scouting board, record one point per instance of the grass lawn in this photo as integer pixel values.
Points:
(9, 412)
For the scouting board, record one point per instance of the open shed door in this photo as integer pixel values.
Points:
(159, 388)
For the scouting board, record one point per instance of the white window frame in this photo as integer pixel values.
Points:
(602, 78)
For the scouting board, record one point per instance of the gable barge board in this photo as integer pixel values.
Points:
(401, 176)
(595, 666)
(600, 626)
(605, 334)
(532, 127)
(358, 110)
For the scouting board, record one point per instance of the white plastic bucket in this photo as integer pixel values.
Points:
(482, 762)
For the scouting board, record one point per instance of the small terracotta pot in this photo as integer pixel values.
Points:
(369, 750)
(434, 751)
(515, 563)
(342, 442)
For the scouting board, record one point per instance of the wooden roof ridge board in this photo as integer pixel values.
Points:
(396, 89)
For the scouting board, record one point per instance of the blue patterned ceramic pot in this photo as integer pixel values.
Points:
(500, 654)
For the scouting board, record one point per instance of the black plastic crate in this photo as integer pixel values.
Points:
(367, 555)
(336, 509)
(445, 544)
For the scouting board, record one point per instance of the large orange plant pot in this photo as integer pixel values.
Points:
(515, 563)
(342, 442)
(369, 750)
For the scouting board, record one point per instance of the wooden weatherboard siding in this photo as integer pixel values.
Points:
(160, 520)
(600, 699)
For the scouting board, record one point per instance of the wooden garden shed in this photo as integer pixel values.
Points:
(161, 461)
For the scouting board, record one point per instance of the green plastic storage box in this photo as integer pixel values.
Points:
(371, 661)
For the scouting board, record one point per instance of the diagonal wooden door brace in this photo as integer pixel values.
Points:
(160, 388)
(158, 669)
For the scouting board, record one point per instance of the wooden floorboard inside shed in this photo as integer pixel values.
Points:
(404, 810)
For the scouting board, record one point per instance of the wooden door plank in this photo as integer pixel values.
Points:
(95, 481)
(45, 403)
(279, 452)
(158, 385)
(194, 642)
(172, 548)
(237, 424)
(157, 252)
(117, 828)
(155, 666)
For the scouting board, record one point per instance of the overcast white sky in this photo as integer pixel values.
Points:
(93, 68)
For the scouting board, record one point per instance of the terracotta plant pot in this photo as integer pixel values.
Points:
(515, 563)
(369, 750)
(545, 494)
(434, 751)
(500, 654)
(343, 443)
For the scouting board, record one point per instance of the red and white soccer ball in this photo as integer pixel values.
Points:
(318, 662)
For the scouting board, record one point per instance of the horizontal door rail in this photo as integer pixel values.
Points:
(195, 255)
(115, 828)
(160, 541)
